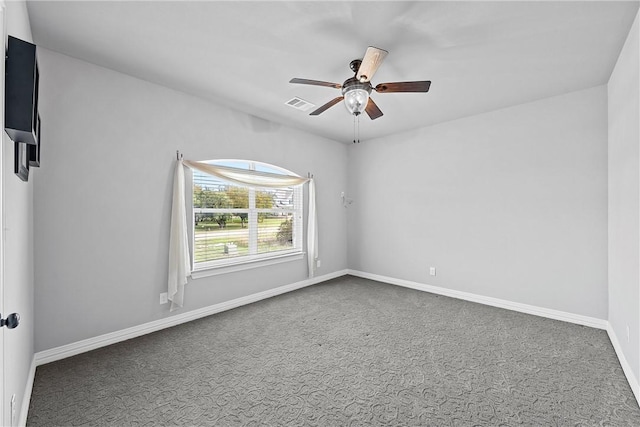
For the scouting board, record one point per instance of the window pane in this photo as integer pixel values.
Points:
(275, 232)
(212, 192)
(209, 192)
(232, 221)
(220, 236)
(238, 197)
(275, 198)
(264, 199)
(283, 198)
(261, 167)
(238, 164)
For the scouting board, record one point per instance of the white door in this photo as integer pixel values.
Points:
(2, 222)
(3, 137)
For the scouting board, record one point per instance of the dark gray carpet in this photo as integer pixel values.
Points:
(346, 352)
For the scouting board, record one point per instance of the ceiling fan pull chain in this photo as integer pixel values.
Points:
(354, 129)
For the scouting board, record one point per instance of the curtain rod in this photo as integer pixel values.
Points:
(179, 156)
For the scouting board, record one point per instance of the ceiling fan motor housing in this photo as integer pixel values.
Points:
(353, 83)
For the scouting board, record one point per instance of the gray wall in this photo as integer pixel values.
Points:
(18, 257)
(510, 204)
(102, 200)
(624, 199)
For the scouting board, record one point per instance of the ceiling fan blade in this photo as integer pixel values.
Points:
(404, 87)
(315, 83)
(373, 57)
(326, 106)
(372, 110)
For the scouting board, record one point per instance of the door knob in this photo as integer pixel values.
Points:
(12, 321)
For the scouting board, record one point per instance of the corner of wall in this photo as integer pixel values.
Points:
(623, 103)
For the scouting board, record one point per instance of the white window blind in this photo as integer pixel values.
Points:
(235, 223)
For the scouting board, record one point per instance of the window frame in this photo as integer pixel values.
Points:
(243, 262)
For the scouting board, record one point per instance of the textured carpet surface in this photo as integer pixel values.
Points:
(346, 352)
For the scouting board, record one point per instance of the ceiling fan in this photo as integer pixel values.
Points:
(356, 90)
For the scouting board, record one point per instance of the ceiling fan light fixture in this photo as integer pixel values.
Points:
(356, 100)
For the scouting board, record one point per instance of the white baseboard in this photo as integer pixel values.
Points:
(626, 368)
(26, 399)
(89, 344)
(495, 302)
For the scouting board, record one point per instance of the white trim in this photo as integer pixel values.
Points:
(245, 264)
(89, 344)
(26, 399)
(3, 141)
(626, 368)
(494, 302)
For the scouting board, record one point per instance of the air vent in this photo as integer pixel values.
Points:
(300, 104)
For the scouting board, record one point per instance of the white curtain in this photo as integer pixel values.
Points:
(312, 230)
(246, 177)
(179, 259)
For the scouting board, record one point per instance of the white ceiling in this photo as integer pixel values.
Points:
(480, 56)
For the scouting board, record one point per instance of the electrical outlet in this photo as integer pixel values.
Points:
(432, 271)
(13, 409)
(164, 298)
(318, 263)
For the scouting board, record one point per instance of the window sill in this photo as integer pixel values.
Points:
(245, 265)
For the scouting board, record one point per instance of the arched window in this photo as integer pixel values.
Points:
(242, 213)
